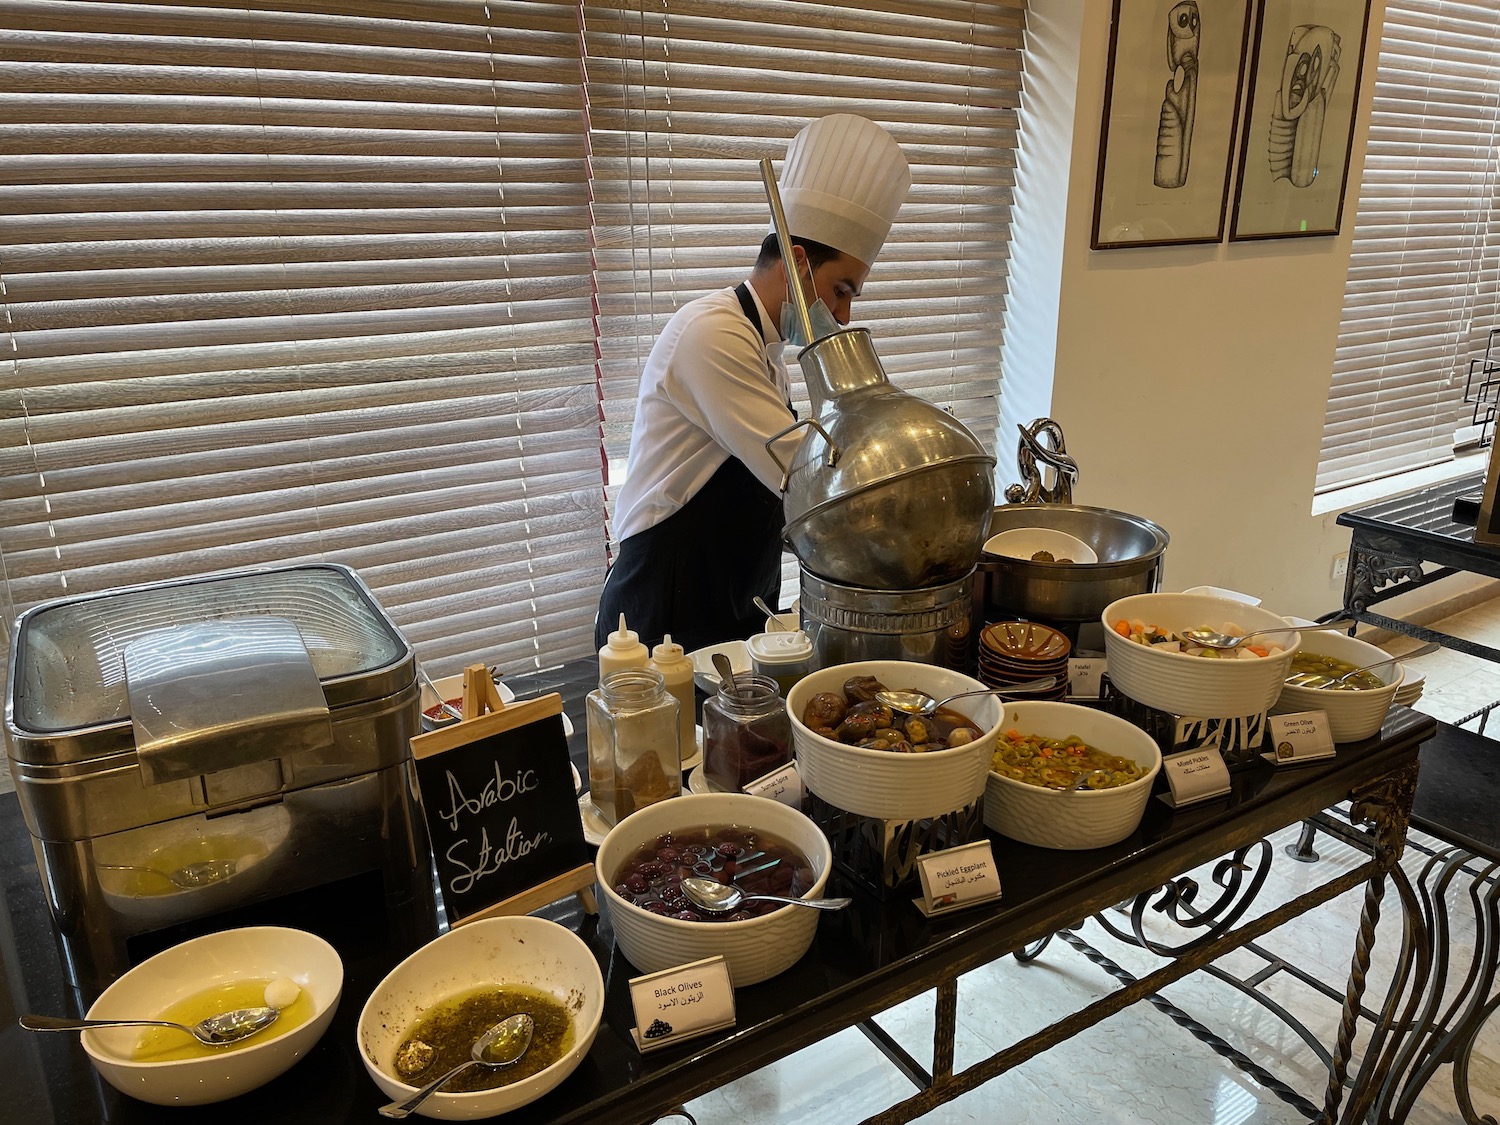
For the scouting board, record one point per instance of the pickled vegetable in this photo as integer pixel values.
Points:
(1059, 763)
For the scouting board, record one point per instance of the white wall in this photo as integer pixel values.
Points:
(1226, 347)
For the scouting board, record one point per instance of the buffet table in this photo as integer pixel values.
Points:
(863, 960)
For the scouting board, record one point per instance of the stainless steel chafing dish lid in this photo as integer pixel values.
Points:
(70, 698)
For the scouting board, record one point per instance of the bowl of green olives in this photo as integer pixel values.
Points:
(1357, 707)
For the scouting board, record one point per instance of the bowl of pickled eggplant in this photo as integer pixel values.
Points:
(1325, 676)
(874, 760)
(424, 1018)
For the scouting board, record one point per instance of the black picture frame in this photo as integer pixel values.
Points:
(1171, 111)
(1296, 145)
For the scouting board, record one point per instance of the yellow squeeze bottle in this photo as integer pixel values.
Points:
(677, 673)
(623, 650)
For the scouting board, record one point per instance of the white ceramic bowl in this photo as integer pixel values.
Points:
(1352, 715)
(888, 786)
(1023, 542)
(706, 675)
(253, 952)
(521, 950)
(755, 949)
(1071, 821)
(1195, 686)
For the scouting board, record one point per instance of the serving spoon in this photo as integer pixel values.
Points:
(1212, 638)
(913, 701)
(215, 1031)
(1318, 682)
(771, 615)
(721, 898)
(502, 1045)
(189, 876)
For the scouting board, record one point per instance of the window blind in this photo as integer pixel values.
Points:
(1421, 292)
(303, 280)
(686, 97)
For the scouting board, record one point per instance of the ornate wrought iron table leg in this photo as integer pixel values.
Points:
(1385, 806)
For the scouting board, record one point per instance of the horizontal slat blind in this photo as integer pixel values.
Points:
(304, 280)
(1421, 293)
(686, 96)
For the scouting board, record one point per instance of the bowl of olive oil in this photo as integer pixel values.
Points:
(296, 972)
(423, 1018)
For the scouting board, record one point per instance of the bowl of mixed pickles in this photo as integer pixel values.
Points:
(425, 1016)
(1068, 777)
(1357, 703)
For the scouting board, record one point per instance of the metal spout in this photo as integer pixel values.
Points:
(784, 240)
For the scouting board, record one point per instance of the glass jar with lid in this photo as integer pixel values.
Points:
(635, 758)
(746, 732)
(783, 656)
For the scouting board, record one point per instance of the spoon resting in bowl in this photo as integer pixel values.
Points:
(1319, 682)
(504, 1044)
(720, 898)
(215, 1031)
(1212, 638)
(915, 702)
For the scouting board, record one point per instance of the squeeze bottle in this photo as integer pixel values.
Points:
(623, 650)
(677, 672)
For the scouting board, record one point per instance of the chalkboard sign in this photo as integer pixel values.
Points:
(497, 795)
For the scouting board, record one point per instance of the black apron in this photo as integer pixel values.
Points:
(694, 575)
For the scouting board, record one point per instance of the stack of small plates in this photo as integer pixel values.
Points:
(1012, 652)
(1411, 687)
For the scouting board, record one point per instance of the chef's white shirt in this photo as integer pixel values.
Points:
(712, 389)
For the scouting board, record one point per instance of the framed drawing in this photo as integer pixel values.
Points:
(1304, 87)
(1171, 106)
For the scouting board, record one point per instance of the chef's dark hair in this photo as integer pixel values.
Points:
(817, 252)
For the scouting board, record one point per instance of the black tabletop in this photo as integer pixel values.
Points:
(862, 960)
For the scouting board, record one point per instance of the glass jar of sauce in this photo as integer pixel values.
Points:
(635, 758)
(746, 732)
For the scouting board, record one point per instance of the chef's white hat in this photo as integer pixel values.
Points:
(842, 184)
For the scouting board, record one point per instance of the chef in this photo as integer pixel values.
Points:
(699, 516)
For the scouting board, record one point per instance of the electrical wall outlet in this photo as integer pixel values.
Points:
(1340, 566)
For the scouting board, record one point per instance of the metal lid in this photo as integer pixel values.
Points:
(68, 662)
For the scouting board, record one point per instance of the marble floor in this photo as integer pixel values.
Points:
(1140, 1066)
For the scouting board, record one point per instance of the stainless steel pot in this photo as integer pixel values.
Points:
(1130, 562)
(887, 491)
(849, 623)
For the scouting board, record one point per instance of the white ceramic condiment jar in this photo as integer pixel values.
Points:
(783, 657)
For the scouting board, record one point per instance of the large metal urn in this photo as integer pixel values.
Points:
(887, 491)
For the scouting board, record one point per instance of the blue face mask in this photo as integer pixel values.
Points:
(791, 327)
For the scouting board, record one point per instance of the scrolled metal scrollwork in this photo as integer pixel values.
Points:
(1384, 805)
(1376, 561)
(1240, 878)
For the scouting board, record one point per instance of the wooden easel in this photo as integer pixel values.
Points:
(484, 713)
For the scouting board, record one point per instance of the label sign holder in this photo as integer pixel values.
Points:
(478, 778)
(681, 1003)
(957, 878)
(1299, 738)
